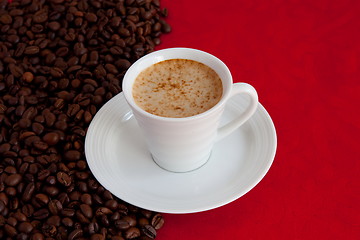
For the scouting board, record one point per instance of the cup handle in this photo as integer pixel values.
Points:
(240, 88)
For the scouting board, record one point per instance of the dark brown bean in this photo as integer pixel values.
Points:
(25, 227)
(41, 214)
(13, 180)
(6, 19)
(40, 16)
(28, 192)
(10, 230)
(63, 178)
(157, 221)
(31, 50)
(51, 138)
(149, 231)
(72, 155)
(86, 210)
(132, 233)
(75, 234)
(55, 207)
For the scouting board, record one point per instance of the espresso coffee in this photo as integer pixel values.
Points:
(177, 88)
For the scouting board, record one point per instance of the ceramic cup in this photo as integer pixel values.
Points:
(185, 144)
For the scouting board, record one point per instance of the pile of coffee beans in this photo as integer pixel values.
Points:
(60, 61)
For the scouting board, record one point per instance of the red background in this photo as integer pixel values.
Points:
(303, 57)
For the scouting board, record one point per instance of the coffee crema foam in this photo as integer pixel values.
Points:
(177, 88)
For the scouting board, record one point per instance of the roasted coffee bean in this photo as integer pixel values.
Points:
(40, 145)
(54, 220)
(75, 234)
(54, 26)
(72, 155)
(31, 50)
(157, 221)
(41, 214)
(97, 236)
(149, 231)
(132, 233)
(38, 236)
(28, 192)
(27, 210)
(16, 70)
(42, 199)
(20, 216)
(55, 207)
(28, 77)
(122, 224)
(86, 210)
(102, 210)
(37, 128)
(143, 221)
(2, 206)
(10, 230)
(68, 222)
(13, 180)
(25, 227)
(51, 138)
(63, 178)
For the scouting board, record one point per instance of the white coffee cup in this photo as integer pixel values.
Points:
(185, 144)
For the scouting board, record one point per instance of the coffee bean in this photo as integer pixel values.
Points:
(31, 50)
(55, 207)
(16, 70)
(56, 72)
(54, 220)
(157, 221)
(68, 222)
(48, 230)
(149, 231)
(28, 77)
(2, 206)
(27, 210)
(102, 210)
(40, 16)
(54, 26)
(73, 109)
(40, 145)
(132, 233)
(122, 224)
(28, 192)
(97, 236)
(10, 230)
(38, 236)
(91, 17)
(63, 179)
(86, 210)
(68, 212)
(6, 19)
(25, 227)
(72, 155)
(51, 138)
(20, 216)
(41, 214)
(37, 128)
(75, 234)
(43, 174)
(13, 180)
(42, 199)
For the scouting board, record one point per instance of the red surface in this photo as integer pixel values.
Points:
(303, 57)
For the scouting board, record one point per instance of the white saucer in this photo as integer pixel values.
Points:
(118, 158)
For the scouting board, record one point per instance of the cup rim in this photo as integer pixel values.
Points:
(130, 100)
